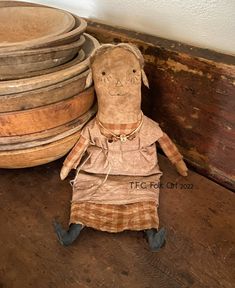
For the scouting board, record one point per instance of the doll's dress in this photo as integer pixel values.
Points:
(116, 187)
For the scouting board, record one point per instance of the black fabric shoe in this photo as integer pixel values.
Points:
(156, 239)
(66, 238)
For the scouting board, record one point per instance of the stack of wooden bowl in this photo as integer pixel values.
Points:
(44, 62)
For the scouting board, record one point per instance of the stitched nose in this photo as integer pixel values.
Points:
(119, 83)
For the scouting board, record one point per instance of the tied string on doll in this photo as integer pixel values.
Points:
(122, 137)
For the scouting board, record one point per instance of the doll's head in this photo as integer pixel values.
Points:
(117, 71)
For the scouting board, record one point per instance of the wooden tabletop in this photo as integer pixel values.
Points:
(198, 214)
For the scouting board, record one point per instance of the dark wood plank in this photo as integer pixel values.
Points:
(199, 251)
(192, 97)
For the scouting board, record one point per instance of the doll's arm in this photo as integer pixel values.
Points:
(173, 154)
(74, 157)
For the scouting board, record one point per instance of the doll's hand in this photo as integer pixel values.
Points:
(181, 168)
(64, 172)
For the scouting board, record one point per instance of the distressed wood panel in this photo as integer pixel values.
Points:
(192, 96)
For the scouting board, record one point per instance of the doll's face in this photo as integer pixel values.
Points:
(117, 74)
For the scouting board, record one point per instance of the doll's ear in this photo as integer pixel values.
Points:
(89, 79)
(144, 78)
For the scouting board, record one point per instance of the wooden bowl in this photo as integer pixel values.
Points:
(25, 25)
(11, 3)
(13, 76)
(66, 38)
(46, 136)
(27, 84)
(46, 117)
(43, 96)
(39, 155)
(21, 62)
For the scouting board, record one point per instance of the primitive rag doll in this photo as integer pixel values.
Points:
(116, 185)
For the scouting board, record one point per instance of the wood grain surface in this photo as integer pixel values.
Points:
(66, 38)
(80, 56)
(25, 25)
(199, 250)
(28, 84)
(21, 62)
(47, 134)
(43, 96)
(46, 117)
(45, 153)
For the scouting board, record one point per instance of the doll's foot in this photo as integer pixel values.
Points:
(156, 239)
(67, 237)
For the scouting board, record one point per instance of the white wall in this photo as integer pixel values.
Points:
(204, 23)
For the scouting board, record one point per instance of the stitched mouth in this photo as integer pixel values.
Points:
(117, 94)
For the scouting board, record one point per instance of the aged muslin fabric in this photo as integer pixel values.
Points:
(117, 74)
(106, 191)
(111, 166)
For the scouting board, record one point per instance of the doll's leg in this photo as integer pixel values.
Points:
(67, 237)
(156, 238)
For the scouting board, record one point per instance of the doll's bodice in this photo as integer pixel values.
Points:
(136, 156)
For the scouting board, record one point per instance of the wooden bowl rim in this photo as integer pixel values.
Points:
(78, 124)
(20, 123)
(78, 59)
(45, 50)
(69, 26)
(38, 155)
(27, 84)
(49, 133)
(50, 42)
(38, 148)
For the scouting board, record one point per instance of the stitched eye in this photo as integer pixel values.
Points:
(134, 71)
(103, 73)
